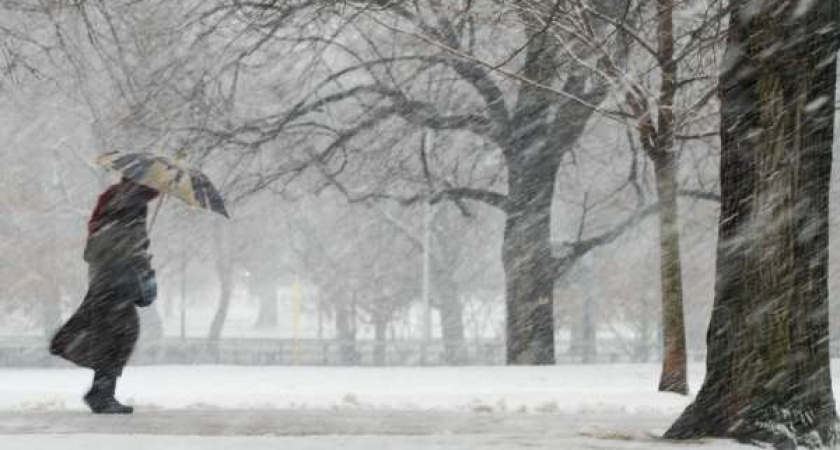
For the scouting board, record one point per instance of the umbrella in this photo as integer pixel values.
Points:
(166, 176)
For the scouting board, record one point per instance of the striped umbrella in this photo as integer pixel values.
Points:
(166, 176)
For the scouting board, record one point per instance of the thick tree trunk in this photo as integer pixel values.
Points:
(539, 133)
(532, 162)
(768, 374)
(674, 372)
(530, 270)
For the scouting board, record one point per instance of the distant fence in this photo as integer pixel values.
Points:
(32, 352)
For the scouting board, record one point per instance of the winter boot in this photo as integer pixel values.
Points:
(101, 399)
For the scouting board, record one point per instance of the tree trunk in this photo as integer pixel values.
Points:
(530, 270)
(225, 294)
(345, 334)
(583, 346)
(380, 330)
(768, 373)
(532, 162)
(224, 269)
(590, 332)
(183, 303)
(674, 372)
(539, 133)
(451, 321)
(659, 145)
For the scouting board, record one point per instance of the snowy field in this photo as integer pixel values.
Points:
(211, 408)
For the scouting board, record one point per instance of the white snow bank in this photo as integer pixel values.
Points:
(563, 389)
(317, 408)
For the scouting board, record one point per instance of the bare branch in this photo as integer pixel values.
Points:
(491, 198)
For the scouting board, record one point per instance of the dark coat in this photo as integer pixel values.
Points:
(102, 333)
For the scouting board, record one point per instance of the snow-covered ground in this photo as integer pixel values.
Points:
(464, 442)
(567, 388)
(208, 407)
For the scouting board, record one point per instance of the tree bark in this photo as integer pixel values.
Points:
(532, 164)
(768, 373)
(674, 371)
(658, 142)
(530, 269)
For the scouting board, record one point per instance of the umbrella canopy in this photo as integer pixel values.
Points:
(163, 174)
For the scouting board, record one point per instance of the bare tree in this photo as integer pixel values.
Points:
(458, 265)
(663, 102)
(381, 61)
(768, 372)
(364, 268)
(534, 130)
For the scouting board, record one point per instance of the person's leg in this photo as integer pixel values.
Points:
(101, 398)
(117, 329)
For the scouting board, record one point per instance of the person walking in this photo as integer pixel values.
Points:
(102, 333)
